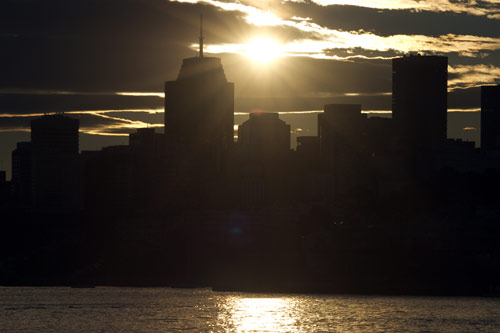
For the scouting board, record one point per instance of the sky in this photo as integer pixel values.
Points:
(105, 61)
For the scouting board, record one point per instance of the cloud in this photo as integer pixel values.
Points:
(319, 42)
(29, 101)
(335, 44)
(96, 122)
(470, 76)
(487, 8)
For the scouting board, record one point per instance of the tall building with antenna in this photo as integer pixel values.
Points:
(201, 35)
(199, 114)
(199, 105)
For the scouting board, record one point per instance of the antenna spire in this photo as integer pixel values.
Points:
(201, 35)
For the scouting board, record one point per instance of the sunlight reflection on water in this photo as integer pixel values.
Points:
(109, 309)
(259, 314)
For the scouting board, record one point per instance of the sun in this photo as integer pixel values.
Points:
(263, 50)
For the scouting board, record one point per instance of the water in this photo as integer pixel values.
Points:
(108, 309)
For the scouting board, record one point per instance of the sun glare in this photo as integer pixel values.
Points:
(263, 50)
(248, 314)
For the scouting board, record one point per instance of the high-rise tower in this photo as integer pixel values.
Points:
(199, 116)
(264, 134)
(419, 98)
(199, 107)
(490, 117)
(55, 168)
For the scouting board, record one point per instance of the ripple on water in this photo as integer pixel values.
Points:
(164, 309)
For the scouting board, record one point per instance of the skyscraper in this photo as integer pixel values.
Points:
(21, 172)
(340, 130)
(199, 108)
(264, 163)
(341, 134)
(490, 117)
(199, 116)
(56, 171)
(264, 134)
(419, 98)
(55, 135)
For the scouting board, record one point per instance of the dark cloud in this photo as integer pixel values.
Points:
(464, 98)
(87, 121)
(359, 52)
(301, 77)
(368, 102)
(142, 116)
(33, 103)
(135, 45)
(94, 45)
(390, 22)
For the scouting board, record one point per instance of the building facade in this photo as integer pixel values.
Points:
(264, 134)
(199, 109)
(199, 134)
(419, 99)
(56, 169)
(490, 118)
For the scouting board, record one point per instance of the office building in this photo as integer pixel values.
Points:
(340, 128)
(199, 116)
(490, 118)
(308, 147)
(264, 134)
(56, 170)
(55, 135)
(199, 108)
(21, 172)
(419, 99)
(147, 142)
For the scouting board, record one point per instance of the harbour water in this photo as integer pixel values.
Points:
(117, 309)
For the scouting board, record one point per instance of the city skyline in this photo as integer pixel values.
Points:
(261, 165)
(365, 204)
(175, 209)
(108, 65)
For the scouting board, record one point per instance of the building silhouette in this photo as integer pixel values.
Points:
(55, 164)
(369, 205)
(21, 173)
(358, 155)
(490, 118)
(419, 99)
(128, 178)
(199, 116)
(308, 147)
(262, 162)
(147, 141)
(342, 146)
(55, 135)
(199, 109)
(5, 188)
(148, 170)
(338, 126)
(264, 134)
(108, 175)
